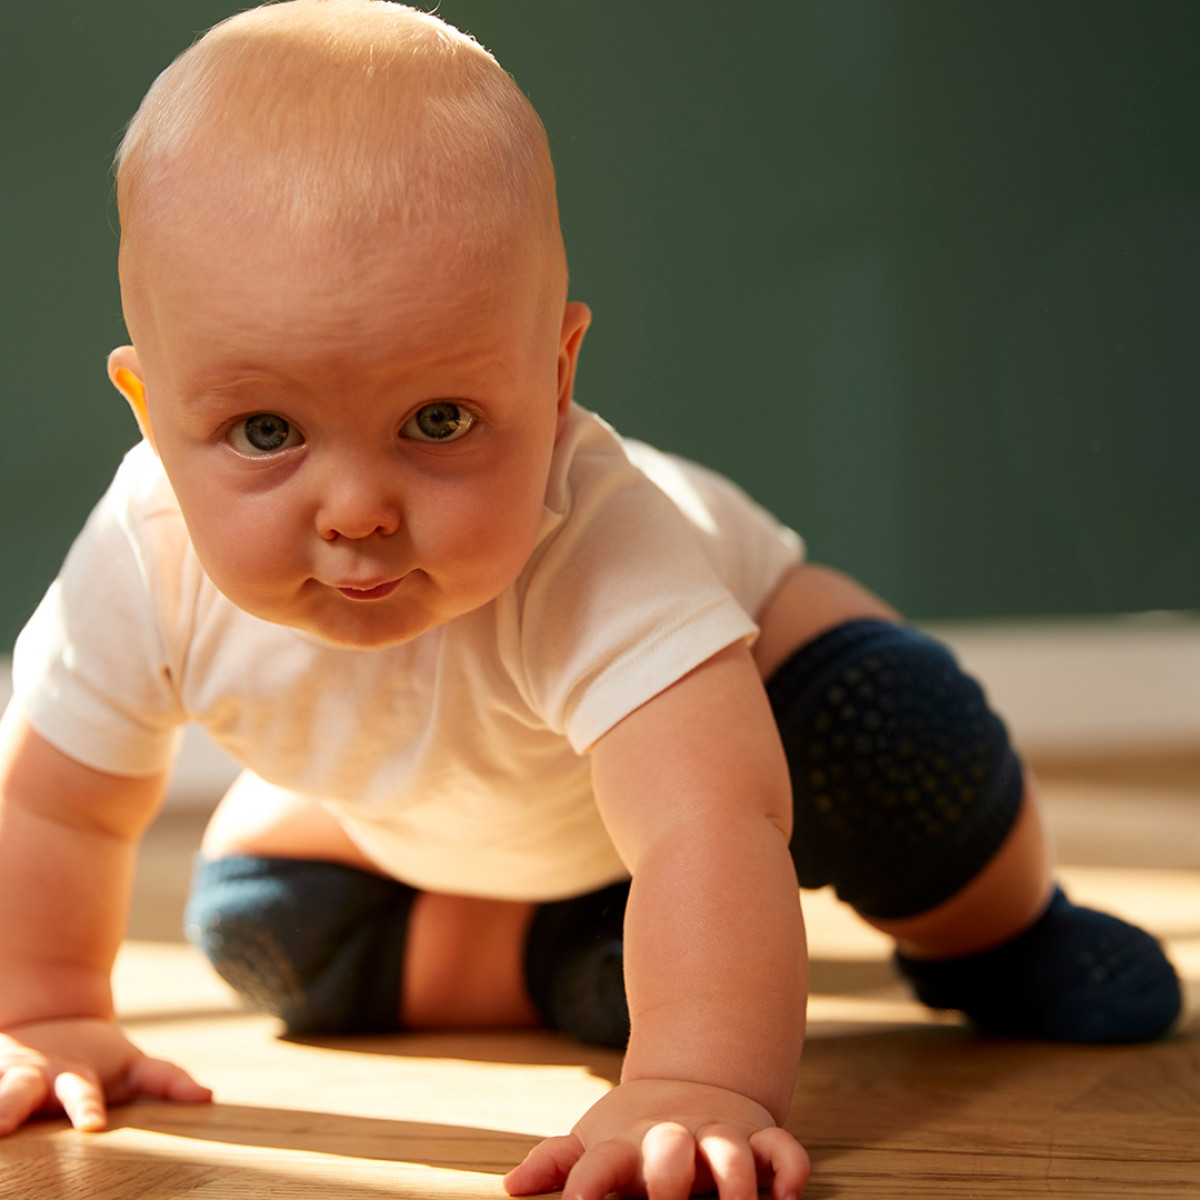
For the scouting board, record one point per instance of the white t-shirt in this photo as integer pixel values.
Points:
(457, 761)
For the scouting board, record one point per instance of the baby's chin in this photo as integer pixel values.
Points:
(341, 640)
(360, 626)
(319, 615)
(359, 634)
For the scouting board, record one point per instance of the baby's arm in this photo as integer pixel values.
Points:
(68, 838)
(695, 792)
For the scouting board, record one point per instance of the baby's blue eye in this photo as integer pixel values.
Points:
(442, 421)
(264, 433)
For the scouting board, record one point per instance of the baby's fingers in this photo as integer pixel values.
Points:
(610, 1166)
(778, 1153)
(82, 1099)
(23, 1090)
(155, 1078)
(545, 1168)
(669, 1161)
(731, 1162)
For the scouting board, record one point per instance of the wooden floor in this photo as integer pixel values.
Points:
(892, 1102)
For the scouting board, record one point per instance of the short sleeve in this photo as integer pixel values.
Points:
(620, 602)
(90, 670)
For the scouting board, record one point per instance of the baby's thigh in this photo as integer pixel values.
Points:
(810, 600)
(258, 818)
(465, 964)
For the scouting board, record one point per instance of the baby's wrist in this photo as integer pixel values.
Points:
(767, 1082)
(33, 998)
(691, 1097)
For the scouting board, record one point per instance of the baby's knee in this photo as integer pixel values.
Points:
(905, 782)
(574, 966)
(318, 944)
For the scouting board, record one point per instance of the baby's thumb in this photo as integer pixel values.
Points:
(158, 1079)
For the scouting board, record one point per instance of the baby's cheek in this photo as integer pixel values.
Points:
(486, 541)
(244, 553)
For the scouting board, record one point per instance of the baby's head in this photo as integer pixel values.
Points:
(344, 281)
(344, 114)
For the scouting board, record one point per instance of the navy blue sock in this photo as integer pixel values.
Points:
(1075, 975)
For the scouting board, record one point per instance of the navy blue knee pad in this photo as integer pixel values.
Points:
(904, 781)
(574, 966)
(319, 944)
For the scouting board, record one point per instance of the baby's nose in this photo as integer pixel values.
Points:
(356, 504)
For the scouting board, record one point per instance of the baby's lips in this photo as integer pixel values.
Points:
(369, 590)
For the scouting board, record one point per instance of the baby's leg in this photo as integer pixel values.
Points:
(294, 916)
(465, 964)
(910, 801)
(297, 918)
(475, 962)
(319, 944)
(303, 925)
(257, 818)
(1014, 885)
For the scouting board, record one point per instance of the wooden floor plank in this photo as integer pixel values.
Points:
(893, 1101)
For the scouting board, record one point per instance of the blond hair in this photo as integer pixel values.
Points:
(340, 112)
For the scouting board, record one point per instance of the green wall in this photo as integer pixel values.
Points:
(923, 275)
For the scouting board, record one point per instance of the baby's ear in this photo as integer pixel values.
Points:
(126, 374)
(576, 319)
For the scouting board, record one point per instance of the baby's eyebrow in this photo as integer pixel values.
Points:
(236, 387)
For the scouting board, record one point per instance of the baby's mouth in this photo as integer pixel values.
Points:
(370, 591)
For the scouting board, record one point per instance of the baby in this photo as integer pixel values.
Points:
(539, 726)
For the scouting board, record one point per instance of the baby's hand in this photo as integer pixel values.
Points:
(75, 1067)
(667, 1140)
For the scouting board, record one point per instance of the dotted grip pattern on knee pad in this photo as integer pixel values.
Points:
(904, 781)
(320, 945)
